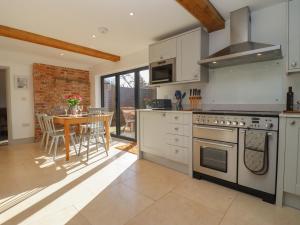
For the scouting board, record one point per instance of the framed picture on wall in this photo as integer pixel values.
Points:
(21, 82)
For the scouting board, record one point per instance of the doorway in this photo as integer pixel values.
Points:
(3, 108)
(123, 93)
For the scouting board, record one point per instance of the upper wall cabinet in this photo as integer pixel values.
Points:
(162, 50)
(294, 36)
(191, 47)
(188, 48)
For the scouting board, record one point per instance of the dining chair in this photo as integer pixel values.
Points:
(129, 117)
(56, 135)
(40, 120)
(94, 130)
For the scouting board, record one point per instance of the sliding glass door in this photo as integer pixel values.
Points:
(123, 93)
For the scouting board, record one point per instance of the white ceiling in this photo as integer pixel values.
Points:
(76, 21)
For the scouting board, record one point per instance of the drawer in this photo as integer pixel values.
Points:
(178, 140)
(179, 118)
(179, 129)
(177, 154)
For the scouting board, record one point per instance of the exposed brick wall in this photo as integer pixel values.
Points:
(52, 83)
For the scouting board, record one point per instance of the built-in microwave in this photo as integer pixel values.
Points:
(163, 71)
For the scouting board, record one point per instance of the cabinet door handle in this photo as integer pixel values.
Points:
(176, 151)
(176, 139)
(164, 114)
(176, 117)
(293, 123)
(176, 128)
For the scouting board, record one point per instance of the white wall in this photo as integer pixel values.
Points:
(255, 84)
(135, 60)
(21, 101)
(2, 89)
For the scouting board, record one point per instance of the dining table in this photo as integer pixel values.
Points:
(70, 120)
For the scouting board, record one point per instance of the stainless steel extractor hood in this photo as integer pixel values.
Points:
(242, 50)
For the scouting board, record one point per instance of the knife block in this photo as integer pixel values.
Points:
(195, 102)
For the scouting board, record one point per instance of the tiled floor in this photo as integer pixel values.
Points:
(119, 189)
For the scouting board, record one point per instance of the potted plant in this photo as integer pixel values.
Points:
(73, 101)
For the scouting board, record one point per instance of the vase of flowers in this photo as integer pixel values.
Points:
(73, 102)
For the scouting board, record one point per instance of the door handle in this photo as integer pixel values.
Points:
(293, 123)
(213, 143)
(213, 128)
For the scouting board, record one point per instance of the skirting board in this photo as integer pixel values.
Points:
(165, 162)
(21, 141)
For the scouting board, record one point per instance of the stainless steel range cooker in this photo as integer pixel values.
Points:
(237, 149)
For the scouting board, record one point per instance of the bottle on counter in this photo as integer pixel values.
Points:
(290, 100)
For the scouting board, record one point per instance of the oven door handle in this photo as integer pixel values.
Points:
(213, 143)
(214, 128)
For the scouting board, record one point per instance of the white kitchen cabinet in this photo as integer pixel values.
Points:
(292, 156)
(167, 135)
(162, 50)
(153, 132)
(294, 36)
(191, 47)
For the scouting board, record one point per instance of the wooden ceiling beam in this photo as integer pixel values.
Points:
(55, 43)
(205, 12)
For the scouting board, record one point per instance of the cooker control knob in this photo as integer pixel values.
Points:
(222, 122)
(216, 122)
(269, 125)
(228, 122)
(234, 123)
(242, 123)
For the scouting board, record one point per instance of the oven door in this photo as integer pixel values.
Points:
(216, 159)
(162, 72)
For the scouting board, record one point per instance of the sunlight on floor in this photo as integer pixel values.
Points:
(81, 183)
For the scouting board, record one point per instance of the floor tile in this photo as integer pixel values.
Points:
(248, 210)
(176, 210)
(211, 195)
(115, 206)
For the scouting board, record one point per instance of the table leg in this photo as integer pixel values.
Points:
(107, 133)
(67, 140)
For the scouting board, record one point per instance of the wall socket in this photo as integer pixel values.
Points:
(25, 124)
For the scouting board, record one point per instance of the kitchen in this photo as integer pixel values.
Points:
(115, 116)
(242, 99)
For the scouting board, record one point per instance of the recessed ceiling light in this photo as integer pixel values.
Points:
(93, 36)
(131, 14)
(103, 30)
(259, 54)
(62, 54)
(214, 62)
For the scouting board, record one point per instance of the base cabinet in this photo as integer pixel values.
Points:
(167, 135)
(292, 156)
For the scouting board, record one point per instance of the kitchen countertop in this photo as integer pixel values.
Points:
(169, 111)
(290, 114)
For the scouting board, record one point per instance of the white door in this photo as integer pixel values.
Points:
(292, 156)
(153, 132)
(188, 46)
(162, 50)
(294, 34)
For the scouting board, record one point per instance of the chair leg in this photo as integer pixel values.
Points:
(88, 148)
(47, 141)
(55, 147)
(43, 139)
(80, 144)
(103, 139)
(51, 145)
(73, 143)
(97, 142)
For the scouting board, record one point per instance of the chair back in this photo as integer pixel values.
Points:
(49, 124)
(95, 123)
(41, 122)
(92, 110)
